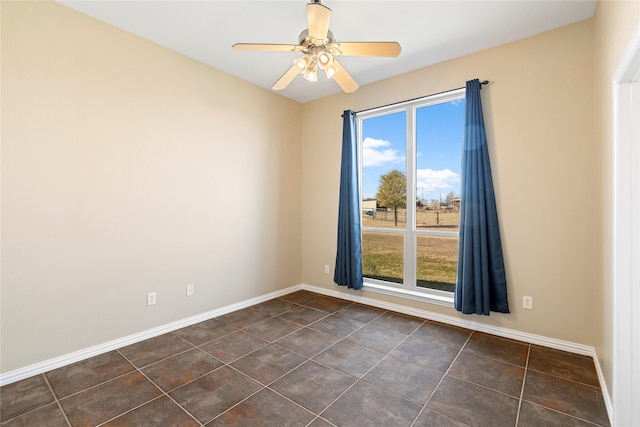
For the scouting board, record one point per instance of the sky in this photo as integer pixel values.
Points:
(439, 133)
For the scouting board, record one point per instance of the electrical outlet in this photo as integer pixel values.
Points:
(190, 289)
(326, 269)
(527, 302)
(151, 298)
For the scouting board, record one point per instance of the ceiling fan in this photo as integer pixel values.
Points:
(319, 50)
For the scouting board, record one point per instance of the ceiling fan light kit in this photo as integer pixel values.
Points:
(320, 49)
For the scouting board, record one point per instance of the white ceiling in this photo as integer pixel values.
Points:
(428, 31)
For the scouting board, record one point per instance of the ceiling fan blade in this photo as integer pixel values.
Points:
(390, 49)
(285, 79)
(266, 47)
(318, 17)
(344, 79)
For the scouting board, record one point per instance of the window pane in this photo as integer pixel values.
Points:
(384, 183)
(436, 264)
(439, 134)
(382, 256)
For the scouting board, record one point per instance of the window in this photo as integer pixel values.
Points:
(410, 190)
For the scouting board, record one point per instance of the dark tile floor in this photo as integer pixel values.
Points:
(310, 360)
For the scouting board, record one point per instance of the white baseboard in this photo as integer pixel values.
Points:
(67, 359)
(76, 356)
(464, 323)
(608, 402)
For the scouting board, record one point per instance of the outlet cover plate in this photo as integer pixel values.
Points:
(151, 298)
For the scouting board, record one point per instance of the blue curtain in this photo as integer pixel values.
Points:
(348, 271)
(481, 282)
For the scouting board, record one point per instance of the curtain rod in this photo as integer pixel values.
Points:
(485, 82)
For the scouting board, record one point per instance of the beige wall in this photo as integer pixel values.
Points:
(615, 22)
(127, 168)
(539, 115)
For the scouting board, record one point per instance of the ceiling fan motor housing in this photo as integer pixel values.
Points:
(306, 41)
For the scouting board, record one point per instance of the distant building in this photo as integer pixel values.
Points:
(455, 204)
(369, 206)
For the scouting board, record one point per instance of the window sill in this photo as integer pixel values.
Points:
(433, 297)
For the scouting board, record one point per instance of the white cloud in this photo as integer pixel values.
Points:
(375, 143)
(436, 180)
(375, 153)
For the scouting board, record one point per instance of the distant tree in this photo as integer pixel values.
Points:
(392, 191)
(434, 204)
(450, 196)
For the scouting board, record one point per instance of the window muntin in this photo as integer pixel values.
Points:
(421, 139)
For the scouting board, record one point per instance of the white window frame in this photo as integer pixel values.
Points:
(408, 289)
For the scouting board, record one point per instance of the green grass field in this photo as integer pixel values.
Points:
(382, 253)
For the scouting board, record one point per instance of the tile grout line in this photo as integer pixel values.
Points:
(360, 378)
(440, 382)
(304, 356)
(557, 377)
(327, 366)
(244, 355)
(315, 330)
(306, 326)
(266, 387)
(295, 403)
(389, 353)
(230, 367)
(246, 398)
(566, 415)
(163, 393)
(177, 354)
(524, 380)
(524, 368)
(55, 397)
(128, 411)
(566, 379)
(321, 351)
(157, 361)
(273, 317)
(55, 400)
(267, 342)
(524, 343)
(206, 342)
(318, 417)
(310, 359)
(494, 359)
(75, 393)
